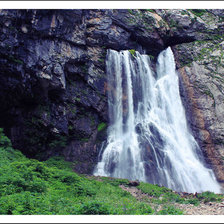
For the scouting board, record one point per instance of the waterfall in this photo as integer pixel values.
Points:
(148, 137)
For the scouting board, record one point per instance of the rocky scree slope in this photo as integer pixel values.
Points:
(53, 86)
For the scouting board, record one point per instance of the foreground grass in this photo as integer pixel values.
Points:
(32, 187)
(51, 187)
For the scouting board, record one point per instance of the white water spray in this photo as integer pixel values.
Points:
(148, 137)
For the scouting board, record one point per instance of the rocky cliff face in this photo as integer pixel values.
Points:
(53, 87)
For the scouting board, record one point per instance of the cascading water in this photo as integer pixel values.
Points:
(148, 138)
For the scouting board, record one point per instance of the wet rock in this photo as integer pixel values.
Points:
(133, 183)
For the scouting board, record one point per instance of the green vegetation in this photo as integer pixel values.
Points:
(163, 195)
(151, 57)
(115, 181)
(4, 140)
(210, 196)
(132, 51)
(37, 137)
(78, 99)
(153, 190)
(202, 53)
(71, 107)
(203, 89)
(150, 10)
(185, 12)
(170, 210)
(141, 18)
(102, 55)
(59, 162)
(101, 60)
(84, 139)
(198, 12)
(15, 60)
(101, 126)
(30, 187)
(173, 23)
(131, 11)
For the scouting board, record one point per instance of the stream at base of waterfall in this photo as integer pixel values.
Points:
(148, 138)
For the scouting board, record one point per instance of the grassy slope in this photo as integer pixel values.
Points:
(51, 187)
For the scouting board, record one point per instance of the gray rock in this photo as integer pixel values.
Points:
(204, 92)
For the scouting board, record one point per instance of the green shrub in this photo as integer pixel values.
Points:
(170, 210)
(4, 140)
(198, 12)
(151, 57)
(59, 162)
(150, 10)
(209, 196)
(132, 51)
(95, 208)
(30, 168)
(115, 181)
(193, 201)
(101, 126)
(164, 195)
(143, 209)
(26, 178)
(52, 188)
(153, 190)
(172, 197)
(24, 203)
(131, 11)
(9, 155)
(67, 177)
(74, 183)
